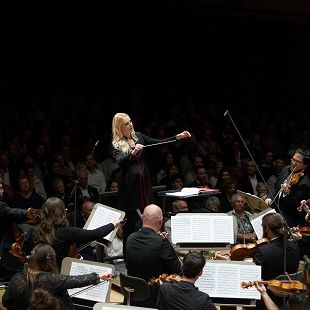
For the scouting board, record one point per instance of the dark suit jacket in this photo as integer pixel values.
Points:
(149, 255)
(271, 258)
(183, 296)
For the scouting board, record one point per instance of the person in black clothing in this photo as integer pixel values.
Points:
(54, 229)
(9, 264)
(185, 295)
(149, 254)
(135, 188)
(42, 273)
(271, 256)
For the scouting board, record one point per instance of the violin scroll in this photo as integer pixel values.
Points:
(173, 278)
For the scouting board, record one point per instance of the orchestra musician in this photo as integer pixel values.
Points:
(8, 217)
(54, 230)
(149, 253)
(293, 186)
(42, 273)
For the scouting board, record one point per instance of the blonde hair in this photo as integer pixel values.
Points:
(118, 140)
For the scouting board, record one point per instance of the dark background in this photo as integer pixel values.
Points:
(123, 56)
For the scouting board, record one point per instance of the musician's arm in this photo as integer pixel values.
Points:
(270, 305)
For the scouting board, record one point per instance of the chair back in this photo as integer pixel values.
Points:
(133, 288)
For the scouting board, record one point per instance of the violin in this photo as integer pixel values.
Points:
(242, 251)
(296, 177)
(17, 248)
(282, 287)
(173, 278)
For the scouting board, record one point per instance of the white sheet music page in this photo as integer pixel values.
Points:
(257, 222)
(202, 228)
(103, 215)
(97, 293)
(223, 279)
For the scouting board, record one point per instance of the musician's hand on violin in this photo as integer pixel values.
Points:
(219, 255)
(106, 276)
(260, 287)
(286, 187)
(268, 202)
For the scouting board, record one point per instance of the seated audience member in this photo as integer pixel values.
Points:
(213, 204)
(184, 295)
(149, 254)
(84, 188)
(243, 229)
(59, 190)
(178, 205)
(26, 197)
(42, 273)
(43, 300)
(227, 189)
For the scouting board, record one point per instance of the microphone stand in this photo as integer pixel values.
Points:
(76, 182)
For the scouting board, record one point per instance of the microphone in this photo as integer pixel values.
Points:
(226, 112)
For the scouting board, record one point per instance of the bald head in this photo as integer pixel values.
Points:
(152, 217)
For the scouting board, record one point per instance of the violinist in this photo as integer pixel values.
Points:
(293, 186)
(243, 230)
(54, 229)
(8, 263)
(270, 256)
(42, 273)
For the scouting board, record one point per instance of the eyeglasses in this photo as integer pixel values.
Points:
(293, 160)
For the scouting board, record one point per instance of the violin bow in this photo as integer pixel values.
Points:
(87, 288)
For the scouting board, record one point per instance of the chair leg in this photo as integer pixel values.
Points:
(129, 290)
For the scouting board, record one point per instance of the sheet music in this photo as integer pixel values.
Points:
(97, 293)
(201, 228)
(223, 279)
(189, 191)
(102, 215)
(106, 306)
(257, 222)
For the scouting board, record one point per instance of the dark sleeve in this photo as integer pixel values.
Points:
(17, 215)
(121, 157)
(161, 302)
(145, 140)
(76, 234)
(258, 258)
(170, 260)
(61, 282)
(15, 290)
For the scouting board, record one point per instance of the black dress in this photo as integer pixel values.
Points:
(18, 292)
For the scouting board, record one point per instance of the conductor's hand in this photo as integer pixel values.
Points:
(137, 149)
(183, 135)
(106, 276)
